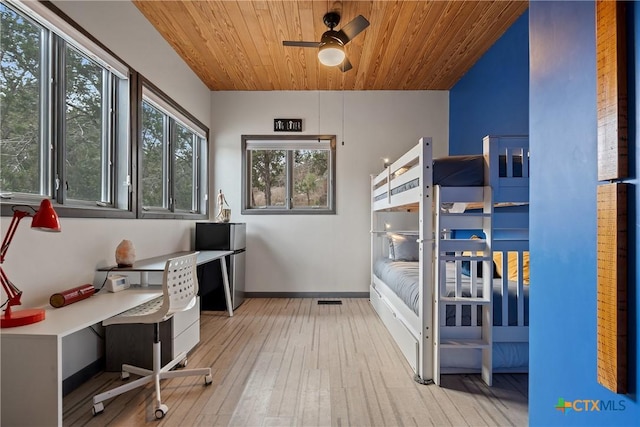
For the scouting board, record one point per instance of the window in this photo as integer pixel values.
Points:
(66, 131)
(173, 160)
(22, 78)
(65, 110)
(288, 174)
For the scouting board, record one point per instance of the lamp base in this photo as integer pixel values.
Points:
(21, 318)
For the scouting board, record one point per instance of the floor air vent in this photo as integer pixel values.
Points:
(329, 302)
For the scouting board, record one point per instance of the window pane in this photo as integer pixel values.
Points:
(268, 175)
(185, 173)
(84, 138)
(288, 175)
(54, 78)
(20, 104)
(153, 157)
(311, 178)
(172, 168)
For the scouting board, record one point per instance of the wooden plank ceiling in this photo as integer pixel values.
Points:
(410, 45)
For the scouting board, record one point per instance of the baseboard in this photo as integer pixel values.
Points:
(76, 380)
(306, 294)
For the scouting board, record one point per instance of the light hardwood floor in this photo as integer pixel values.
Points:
(292, 362)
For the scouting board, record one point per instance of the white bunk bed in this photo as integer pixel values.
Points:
(444, 314)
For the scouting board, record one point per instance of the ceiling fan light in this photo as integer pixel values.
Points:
(331, 54)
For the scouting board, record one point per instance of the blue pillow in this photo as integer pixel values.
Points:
(404, 247)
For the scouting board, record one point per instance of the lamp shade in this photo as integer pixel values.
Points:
(46, 218)
(331, 54)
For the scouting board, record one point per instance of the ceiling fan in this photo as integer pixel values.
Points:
(331, 44)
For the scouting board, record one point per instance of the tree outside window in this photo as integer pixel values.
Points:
(173, 160)
(21, 100)
(288, 174)
(64, 114)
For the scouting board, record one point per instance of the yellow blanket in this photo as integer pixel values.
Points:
(512, 265)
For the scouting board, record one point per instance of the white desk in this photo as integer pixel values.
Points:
(31, 362)
(156, 265)
(31, 356)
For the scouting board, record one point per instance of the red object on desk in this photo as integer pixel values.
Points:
(45, 218)
(71, 295)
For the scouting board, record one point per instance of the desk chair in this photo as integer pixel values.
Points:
(179, 290)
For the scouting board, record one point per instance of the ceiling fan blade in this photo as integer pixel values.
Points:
(345, 66)
(301, 44)
(353, 28)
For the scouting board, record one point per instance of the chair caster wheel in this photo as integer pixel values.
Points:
(161, 411)
(124, 375)
(183, 363)
(208, 380)
(97, 409)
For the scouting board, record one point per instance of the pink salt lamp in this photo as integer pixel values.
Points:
(125, 254)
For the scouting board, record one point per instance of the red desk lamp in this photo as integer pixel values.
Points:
(46, 219)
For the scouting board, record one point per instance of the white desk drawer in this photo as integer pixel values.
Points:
(133, 343)
(184, 319)
(188, 339)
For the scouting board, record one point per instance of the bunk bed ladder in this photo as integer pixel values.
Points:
(472, 250)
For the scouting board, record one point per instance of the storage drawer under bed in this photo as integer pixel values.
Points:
(406, 341)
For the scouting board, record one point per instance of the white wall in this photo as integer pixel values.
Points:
(43, 263)
(321, 253)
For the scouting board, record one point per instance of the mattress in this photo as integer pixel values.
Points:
(459, 171)
(402, 278)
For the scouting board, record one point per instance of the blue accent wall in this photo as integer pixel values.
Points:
(492, 98)
(563, 137)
